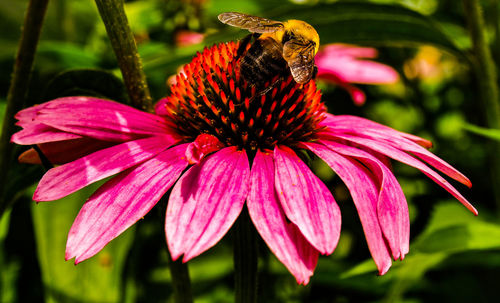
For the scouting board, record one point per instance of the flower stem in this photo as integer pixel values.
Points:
(245, 260)
(122, 40)
(180, 281)
(486, 75)
(21, 75)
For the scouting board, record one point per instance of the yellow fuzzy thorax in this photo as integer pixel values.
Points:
(300, 29)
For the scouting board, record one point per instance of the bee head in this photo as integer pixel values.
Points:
(297, 29)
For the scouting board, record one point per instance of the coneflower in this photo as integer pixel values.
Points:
(240, 145)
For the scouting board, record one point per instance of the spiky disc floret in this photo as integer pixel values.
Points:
(210, 96)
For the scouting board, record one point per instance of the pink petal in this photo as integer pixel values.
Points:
(403, 157)
(40, 133)
(283, 238)
(306, 201)
(206, 201)
(203, 145)
(344, 62)
(396, 139)
(364, 193)
(346, 123)
(358, 71)
(339, 50)
(392, 209)
(97, 118)
(122, 201)
(66, 179)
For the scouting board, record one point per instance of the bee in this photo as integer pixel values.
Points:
(278, 46)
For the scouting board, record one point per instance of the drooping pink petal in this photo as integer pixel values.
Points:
(40, 133)
(97, 118)
(283, 238)
(350, 124)
(395, 139)
(306, 201)
(122, 201)
(392, 209)
(364, 194)
(405, 158)
(206, 201)
(65, 179)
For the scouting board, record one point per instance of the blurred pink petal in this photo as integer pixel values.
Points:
(283, 238)
(306, 201)
(344, 62)
(341, 64)
(205, 202)
(122, 201)
(185, 38)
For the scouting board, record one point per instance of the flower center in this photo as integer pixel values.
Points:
(211, 97)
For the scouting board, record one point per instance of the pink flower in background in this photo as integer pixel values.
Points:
(184, 38)
(239, 147)
(342, 64)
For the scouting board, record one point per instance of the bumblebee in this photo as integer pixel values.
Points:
(278, 46)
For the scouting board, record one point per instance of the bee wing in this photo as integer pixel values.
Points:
(253, 24)
(300, 58)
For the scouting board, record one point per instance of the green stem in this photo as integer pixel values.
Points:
(494, 5)
(123, 43)
(180, 281)
(245, 260)
(486, 76)
(30, 35)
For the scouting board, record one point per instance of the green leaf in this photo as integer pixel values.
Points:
(87, 82)
(99, 279)
(489, 133)
(450, 231)
(366, 23)
(10, 268)
(64, 55)
(374, 24)
(458, 238)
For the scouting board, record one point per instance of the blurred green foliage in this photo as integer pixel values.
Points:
(454, 257)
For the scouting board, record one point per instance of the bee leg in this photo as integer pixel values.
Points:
(267, 89)
(315, 72)
(244, 43)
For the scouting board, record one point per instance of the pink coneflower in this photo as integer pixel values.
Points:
(344, 64)
(240, 146)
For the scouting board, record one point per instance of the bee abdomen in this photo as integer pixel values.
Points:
(263, 61)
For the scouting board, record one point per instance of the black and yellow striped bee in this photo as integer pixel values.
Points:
(279, 45)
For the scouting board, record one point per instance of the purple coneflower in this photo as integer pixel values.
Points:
(239, 146)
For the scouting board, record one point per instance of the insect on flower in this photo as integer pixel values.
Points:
(219, 154)
(278, 45)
